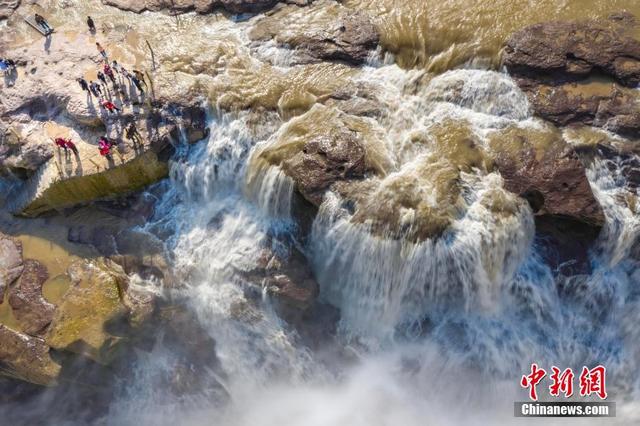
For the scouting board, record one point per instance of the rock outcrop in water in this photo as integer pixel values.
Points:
(326, 149)
(200, 6)
(98, 300)
(286, 277)
(324, 161)
(335, 34)
(566, 51)
(11, 264)
(27, 358)
(542, 168)
(580, 72)
(592, 102)
(31, 309)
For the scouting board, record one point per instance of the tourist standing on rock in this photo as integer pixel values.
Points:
(104, 147)
(71, 146)
(140, 76)
(91, 25)
(109, 72)
(110, 106)
(83, 84)
(132, 133)
(7, 65)
(95, 89)
(61, 143)
(102, 51)
(43, 23)
(101, 77)
(137, 83)
(116, 66)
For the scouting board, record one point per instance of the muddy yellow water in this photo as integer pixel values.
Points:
(56, 258)
(47, 243)
(441, 34)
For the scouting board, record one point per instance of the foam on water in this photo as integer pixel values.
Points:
(478, 301)
(432, 324)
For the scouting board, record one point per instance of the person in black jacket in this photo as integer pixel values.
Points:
(91, 25)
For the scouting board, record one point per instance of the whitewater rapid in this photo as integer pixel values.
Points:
(431, 332)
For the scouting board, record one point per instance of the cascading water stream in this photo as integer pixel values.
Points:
(430, 322)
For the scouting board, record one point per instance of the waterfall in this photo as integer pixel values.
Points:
(417, 318)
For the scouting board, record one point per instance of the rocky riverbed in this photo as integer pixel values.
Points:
(315, 187)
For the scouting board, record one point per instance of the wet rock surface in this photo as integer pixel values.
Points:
(26, 357)
(620, 161)
(200, 6)
(596, 103)
(95, 304)
(11, 264)
(565, 244)
(339, 35)
(25, 297)
(320, 158)
(325, 161)
(565, 51)
(547, 172)
(287, 277)
(580, 72)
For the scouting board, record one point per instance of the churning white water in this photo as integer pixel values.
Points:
(435, 332)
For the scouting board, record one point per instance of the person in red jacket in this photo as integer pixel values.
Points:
(104, 146)
(110, 106)
(109, 72)
(71, 146)
(60, 143)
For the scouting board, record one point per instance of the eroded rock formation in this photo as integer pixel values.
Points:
(565, 51)
(200, 6)
(7, 7)
(98, 300)
(580, 72)
(30, 308)
(542, 168)
(95, 300)
(335, 34)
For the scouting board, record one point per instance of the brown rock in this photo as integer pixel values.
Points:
(620, 161)
(200, 6)
(566, 244)
(92, 302)
(547, 172)
(592, 102)
(7, 7)
(19, 157)
(324, 161)
(288, 278)
(564, 51)
(575, 72)
(344, 35)
(26, 358)
(29, 306)
(10, 262)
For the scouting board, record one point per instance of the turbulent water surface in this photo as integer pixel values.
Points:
(431, 331)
